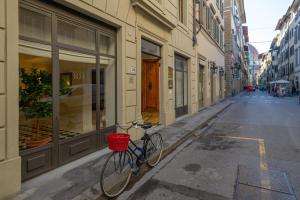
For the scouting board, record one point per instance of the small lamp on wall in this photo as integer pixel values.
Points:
(213, 67)
(221, 71)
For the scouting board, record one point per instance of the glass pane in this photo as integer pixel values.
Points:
(185, 89)
(150, 48)
(35, 95)
(35, 25)
(179, 89)
(107, 92)
(107, 45)
(77, 94)
(72, 34)
(178, 64)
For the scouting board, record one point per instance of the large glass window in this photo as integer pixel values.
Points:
(106, 45)
(76, 77)
(75, 35)
(35, 24)
(63, 102)
(107, 92)
(35, 99)
(181, 91)
(77, 93)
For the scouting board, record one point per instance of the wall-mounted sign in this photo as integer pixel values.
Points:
(170, 77)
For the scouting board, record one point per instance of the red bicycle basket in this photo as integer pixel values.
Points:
(118, 141)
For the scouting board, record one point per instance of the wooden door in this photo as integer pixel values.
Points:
(150, 86)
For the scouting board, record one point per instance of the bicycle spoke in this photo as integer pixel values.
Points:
(154, 149)
(116, 173)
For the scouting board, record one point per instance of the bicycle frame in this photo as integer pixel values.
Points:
(136, 151)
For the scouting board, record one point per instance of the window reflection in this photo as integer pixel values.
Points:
(34, 24)
(107, 92)
(106, 45)
(78, 93)
(35, 99)
(72, 34)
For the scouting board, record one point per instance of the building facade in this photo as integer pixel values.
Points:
(210, 51)
(253, 64)
(235, 68)
(285, 47)
(84, 65)
(265, 60)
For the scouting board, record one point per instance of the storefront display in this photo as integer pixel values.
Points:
(67, 87)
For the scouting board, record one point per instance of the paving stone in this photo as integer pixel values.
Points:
(245, 192)
(270, 179)
(158, 190)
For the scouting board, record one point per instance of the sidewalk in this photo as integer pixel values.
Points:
(79, 180)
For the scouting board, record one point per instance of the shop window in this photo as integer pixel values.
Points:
(75, 35)
(35, 95)
(34, 24)
(107, 92)
(78, 94)
(59, 87)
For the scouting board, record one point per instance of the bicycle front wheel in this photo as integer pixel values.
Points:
(116, 173)
(154, 149)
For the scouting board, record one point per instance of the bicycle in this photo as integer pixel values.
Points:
(119, 166)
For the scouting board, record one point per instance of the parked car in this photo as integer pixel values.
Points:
(250, 88)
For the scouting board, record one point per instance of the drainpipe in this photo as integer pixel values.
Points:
(194, 24)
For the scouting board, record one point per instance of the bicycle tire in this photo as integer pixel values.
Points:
(111, 182)
(150, 143)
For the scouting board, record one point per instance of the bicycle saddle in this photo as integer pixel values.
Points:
(146, 126)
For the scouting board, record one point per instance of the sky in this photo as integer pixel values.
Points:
(262, 17)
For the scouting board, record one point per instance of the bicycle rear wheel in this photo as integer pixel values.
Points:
(116, 173)
(154, 149)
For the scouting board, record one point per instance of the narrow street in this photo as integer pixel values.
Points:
(252, 151)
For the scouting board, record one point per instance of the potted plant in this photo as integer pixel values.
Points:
(36, 102)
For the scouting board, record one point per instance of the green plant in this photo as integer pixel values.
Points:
(36, 95)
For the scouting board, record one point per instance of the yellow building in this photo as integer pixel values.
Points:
(70, 70)
(210, 51)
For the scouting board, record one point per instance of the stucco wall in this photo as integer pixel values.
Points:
(135, 23)
(208, 49)
(10, 166)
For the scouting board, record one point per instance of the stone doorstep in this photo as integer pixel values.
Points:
(173, 136)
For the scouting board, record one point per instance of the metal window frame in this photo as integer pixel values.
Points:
(183, 110)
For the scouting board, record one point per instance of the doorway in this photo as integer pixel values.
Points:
(181, 86)
(151, 56)
(150, 91)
